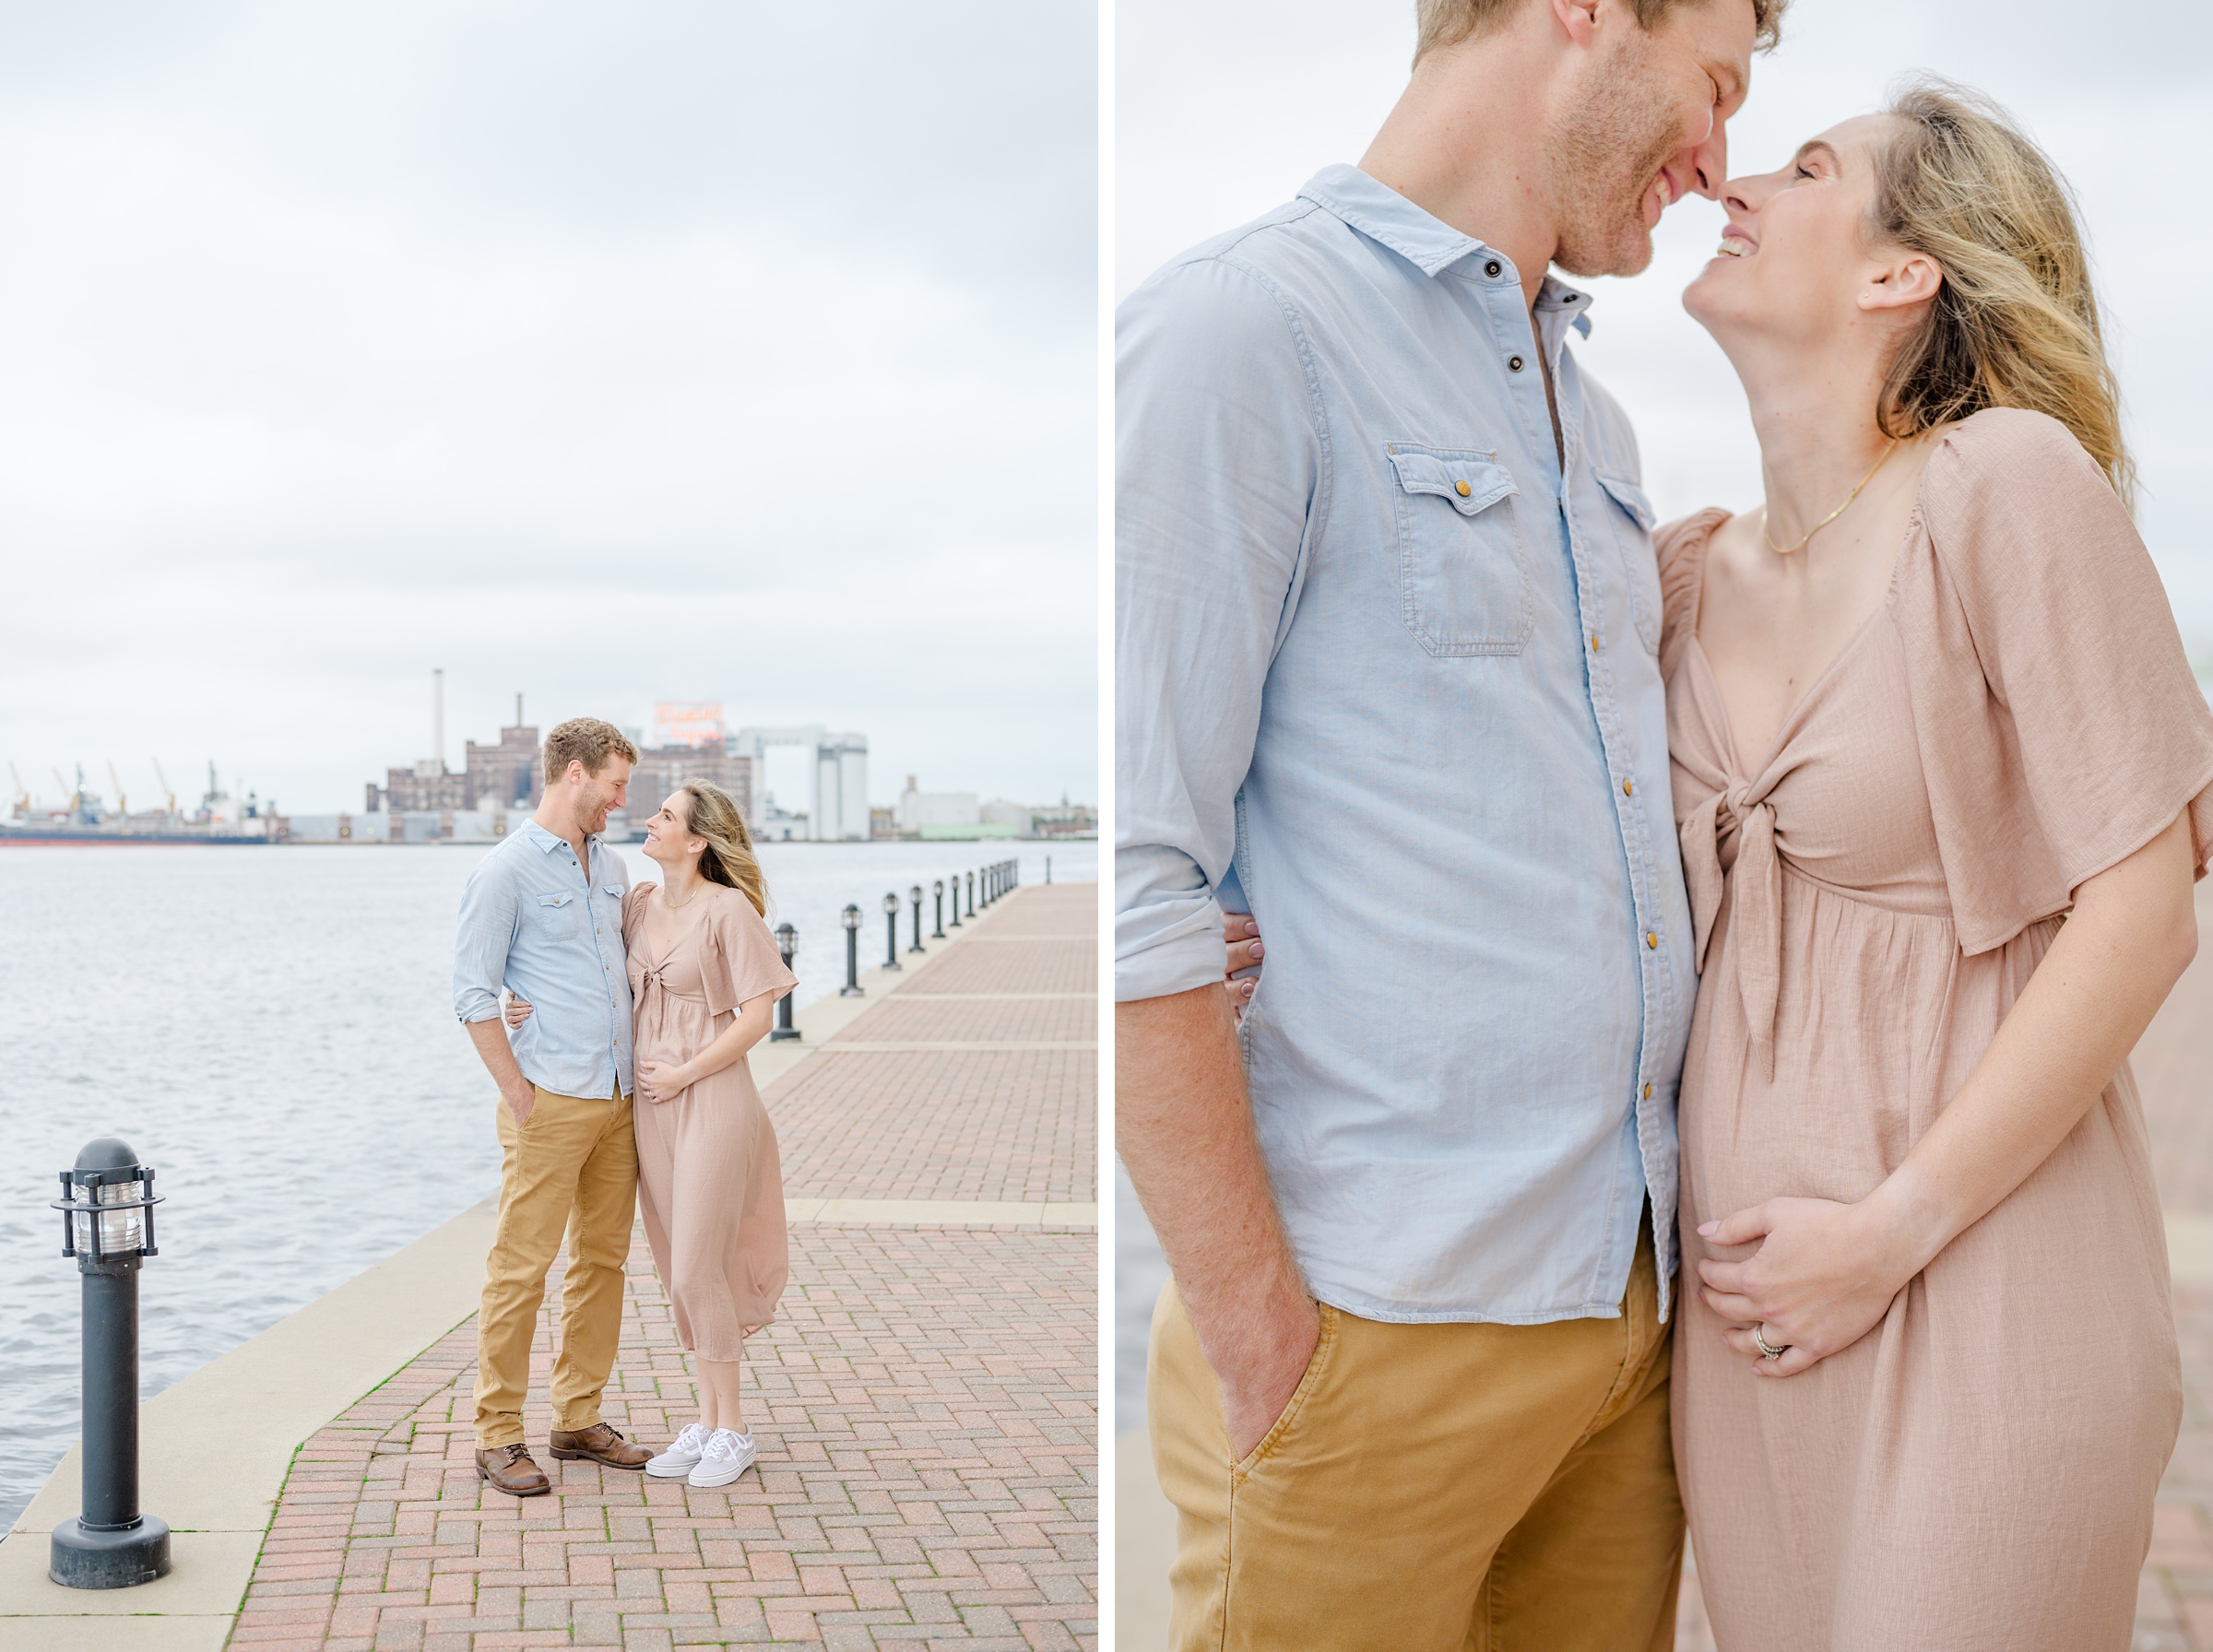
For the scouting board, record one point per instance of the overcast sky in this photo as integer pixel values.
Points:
(1225, 107)
(608, 353)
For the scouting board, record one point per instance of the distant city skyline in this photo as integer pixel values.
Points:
(689, 352)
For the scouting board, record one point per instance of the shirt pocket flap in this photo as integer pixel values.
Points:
(1630, 498)
(611, 888)
(562, 899)
(1471, 484)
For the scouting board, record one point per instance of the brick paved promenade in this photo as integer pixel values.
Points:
(2174, 1066)
(926, 1405)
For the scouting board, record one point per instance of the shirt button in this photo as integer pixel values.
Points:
(1492, 268)
(1627, 790)
(1463, 489)
(1513, 364)
(1651, 939)
(1593, 642)
(1648, 1092)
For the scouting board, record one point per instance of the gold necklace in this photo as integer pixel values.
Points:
(1785, 550)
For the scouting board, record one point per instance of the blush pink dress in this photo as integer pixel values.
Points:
(1872, 894)
(709, 1184)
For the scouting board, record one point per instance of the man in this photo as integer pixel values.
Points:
(1386, 613)
(542, 914)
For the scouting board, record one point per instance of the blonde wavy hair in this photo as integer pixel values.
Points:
(728, 860)
(2015, 323)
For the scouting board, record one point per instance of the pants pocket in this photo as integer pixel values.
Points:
(1317, 1365)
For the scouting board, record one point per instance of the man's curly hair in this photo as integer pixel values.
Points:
(1449, 22)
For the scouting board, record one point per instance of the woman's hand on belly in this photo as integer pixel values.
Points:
(1824, 1276)
(665, 1080)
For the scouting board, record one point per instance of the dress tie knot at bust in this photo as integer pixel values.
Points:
(1729, 842)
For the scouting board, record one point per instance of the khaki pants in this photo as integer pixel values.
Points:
(1430, 1488)
(573, 1165)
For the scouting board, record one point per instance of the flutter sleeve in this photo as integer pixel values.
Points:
(1680, 547)
(633, 910)
(2061, 728)
(738, 956)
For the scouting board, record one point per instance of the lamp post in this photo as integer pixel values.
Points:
(106, 1207)
(788, 946)
(850, 917)
(937, 890)
(957, 900)
(1048, 868)
(891, 931)
(972, 894)
(915, 894)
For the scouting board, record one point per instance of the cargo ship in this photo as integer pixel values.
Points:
(86, 818)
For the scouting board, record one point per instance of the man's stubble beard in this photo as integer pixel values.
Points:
(1610, 148)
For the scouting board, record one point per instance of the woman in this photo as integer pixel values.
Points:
(1944, 783)
(704, 977)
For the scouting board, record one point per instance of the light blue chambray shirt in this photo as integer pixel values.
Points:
(532, 921)
(1387, 678)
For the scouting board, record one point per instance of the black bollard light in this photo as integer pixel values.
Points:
(915, 894)
(972, 894)
(891, 931)
(106, 1207)
(957, 900)
(937, 891)
(1048, 868)
(850, 917)
(788, 945)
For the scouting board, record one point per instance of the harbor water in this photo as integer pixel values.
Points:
(272, 1029)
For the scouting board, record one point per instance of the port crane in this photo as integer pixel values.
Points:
(123, 804)
(168, 791)
(22, 791)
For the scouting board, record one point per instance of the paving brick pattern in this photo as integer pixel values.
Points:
(2173, 1067)
(925, 1412)
(1013, 964)
(940, 1125)
(1070, 1020)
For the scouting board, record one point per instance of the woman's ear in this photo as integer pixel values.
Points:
(1914, 279)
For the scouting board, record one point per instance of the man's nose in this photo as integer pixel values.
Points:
(1710, 162)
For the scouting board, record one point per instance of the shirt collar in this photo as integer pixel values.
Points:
(547, 841)
(1428, 243)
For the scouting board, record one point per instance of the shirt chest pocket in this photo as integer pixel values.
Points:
(1464, 571)
(559, 915)
(1632, 524)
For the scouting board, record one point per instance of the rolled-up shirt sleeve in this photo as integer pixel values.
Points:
(480, 940)
(1221, 482)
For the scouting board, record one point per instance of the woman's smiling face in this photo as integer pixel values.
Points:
(1798, 252)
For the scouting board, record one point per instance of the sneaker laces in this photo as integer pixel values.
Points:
(722, 1442)
(693, 1438)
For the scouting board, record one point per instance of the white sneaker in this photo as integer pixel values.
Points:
(728, 1455)
(683, 1457)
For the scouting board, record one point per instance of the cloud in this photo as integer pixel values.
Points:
(607, 354)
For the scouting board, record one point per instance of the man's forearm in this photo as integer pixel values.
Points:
(1183, 1124)
(497, 1054)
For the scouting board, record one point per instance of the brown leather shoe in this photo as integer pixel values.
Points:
(600, 1444)
(509, 1469)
